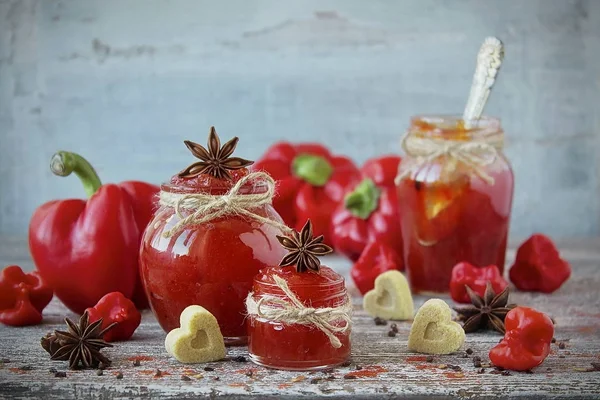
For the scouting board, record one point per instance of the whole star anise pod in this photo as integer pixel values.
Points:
(488, 311)
(304, 249)
(80, 345)
(216, 161)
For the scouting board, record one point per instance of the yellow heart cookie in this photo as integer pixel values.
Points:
(433, 331)
(198, 339)
(391, 298)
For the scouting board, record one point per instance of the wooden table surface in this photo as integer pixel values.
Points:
(381, 366)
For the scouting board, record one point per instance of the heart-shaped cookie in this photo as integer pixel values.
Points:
(198, 339)
(391, 297)
(433, 331)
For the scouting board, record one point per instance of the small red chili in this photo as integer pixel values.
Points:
(538, 266)
(115, 307)
(376, 259)
(526, 343)
(465, 274)
(23, 297)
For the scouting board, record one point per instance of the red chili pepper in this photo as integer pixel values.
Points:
(527, 340)
(86, 249)
(23, 297)
(311, 183)
(538, 266)
(465, 274)
(376, 259)
(114, 307)
(369, 211)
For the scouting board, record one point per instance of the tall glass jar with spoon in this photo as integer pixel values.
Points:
(455, 186)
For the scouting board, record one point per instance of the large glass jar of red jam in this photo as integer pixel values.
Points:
(455, 189)
(289, 344)
(211, 264)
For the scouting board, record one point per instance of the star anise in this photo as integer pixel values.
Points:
(488, 311)
(216, 161)
(304, 249)
(80, 345)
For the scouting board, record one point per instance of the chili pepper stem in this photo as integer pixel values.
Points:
(63, 163)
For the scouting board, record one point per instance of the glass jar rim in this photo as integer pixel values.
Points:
(445, 123)
(252, 187)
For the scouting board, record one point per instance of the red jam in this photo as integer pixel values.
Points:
(213, 264)
(448, 213)
(294, 346)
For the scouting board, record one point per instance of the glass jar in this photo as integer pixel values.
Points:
(455, 192)
(296, 346)
(213, 264)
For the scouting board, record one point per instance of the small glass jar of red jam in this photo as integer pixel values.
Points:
(211, 264)
(453, 208)
(297, 346)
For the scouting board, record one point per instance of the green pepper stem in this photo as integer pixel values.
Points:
(313, 169)
(63, 163)
(363, 200)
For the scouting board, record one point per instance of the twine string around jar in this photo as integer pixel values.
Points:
(293, 311)
(476, 153)
(206, 207)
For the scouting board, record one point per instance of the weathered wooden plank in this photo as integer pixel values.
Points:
(382, 365)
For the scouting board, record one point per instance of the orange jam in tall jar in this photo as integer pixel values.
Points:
(455, 189)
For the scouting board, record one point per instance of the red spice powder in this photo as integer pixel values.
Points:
(368, 372)
(140, 358)
(416, 358)
(17, 370)
(162, 373)
(238, 384)
(426, 366)
(284, 385)
(454, 375)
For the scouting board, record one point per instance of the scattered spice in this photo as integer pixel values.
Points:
(215, 160)
(553, 340)
(5, 361)
(249, 374)
(380, 321)
(26, 368)
(60, 374)
(442, 366)
(529, 371)
(80, 345)
(481, 371)
(429, 359)
(120, 375)
(99, 372)
(595, 367)
(391, 334)
(327, 371)
(548, 369)
(185, 378)
(394, 327)
(216, 378)
(346, 364)
(158, 373)
(469, 351)
(488, 311)
(209, 369)
(52, 370)
(455, 367)
(314, 381)
(240, 359)
(505, 373)
(358, 368)
(330, 378)
(477, 363)
(349, 376)
(562, 345)
(561, 356)
(297, 379)
(137, 363)
(304, 249)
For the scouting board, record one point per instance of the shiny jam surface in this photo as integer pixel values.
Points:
(450, 215)
(294, 346)
(212, 265)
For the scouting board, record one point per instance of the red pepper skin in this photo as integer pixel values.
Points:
(351, 232)
(526, 343)
(85, 249)
(114, 307)
(465, 274)
(376, 259)
(23, 297)
(538, 266)
(296, 198)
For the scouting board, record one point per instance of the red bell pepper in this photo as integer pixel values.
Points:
(369, 211)
(23, 297)
(376, 259)
(310, 183)
(114, 307)
(465, 274)
(538, 266)
(86, 249)
(526, 343)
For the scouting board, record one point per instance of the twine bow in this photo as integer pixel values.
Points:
(207, 207)
(293, 311)
(477, 154)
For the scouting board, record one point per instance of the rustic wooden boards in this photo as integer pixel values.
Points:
(380, 366)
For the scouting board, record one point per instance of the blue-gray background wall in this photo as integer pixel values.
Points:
(124, 82)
